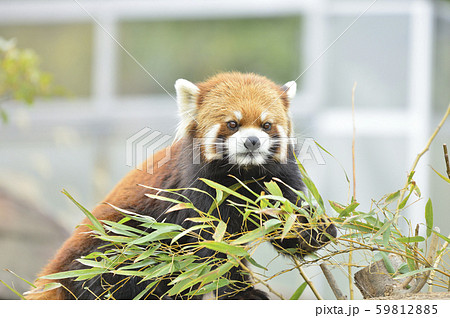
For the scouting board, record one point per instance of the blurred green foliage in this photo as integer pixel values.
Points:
(20, 76)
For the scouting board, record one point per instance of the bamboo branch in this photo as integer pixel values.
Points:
(447, 163)
(332, 282)
(306, 279)
(436, 264)
(416, 161)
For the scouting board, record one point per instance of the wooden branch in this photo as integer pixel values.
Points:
(306, 279)
(447, 164)
(332, 282)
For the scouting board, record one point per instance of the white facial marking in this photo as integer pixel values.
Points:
(283, 145)
(210, 143)
(238, 115)
(242, 152)
(263, 116)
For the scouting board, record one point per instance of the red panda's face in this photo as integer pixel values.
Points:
(241, 118)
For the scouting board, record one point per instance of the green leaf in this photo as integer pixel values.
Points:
(254, 263)
(417, 271)
(288, 225)
(441, 175)
(221, 282)
(216, 186)
(349, 209)
(96, 223)
(392, 197)
(91, 263)
(148, 253)
(189, 230)
(337, 206)
(429, 217)
(160, 234)
(224, 248)
(220, 231)
(296, 295)
(250, 236)
(405, 200)
(273, 188)
(411, 239)
(386, 237)
(4, 116)
(146, 289)
(75, 273)
(403, 269)
(385, 226)
(310, 185)
(441, 236)
(387, 263)
(23, 279)
(13, 290)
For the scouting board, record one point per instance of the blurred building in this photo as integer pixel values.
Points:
(119, 60)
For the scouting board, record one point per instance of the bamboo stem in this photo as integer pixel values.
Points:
(447, 163)
(332, 282)
(436, 263)
(306, 279)
(416, 161)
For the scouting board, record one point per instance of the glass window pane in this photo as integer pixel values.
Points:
(65, 52)
(441, 82)
(373, 53)
(198, 49)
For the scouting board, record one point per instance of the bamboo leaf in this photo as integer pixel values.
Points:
(220, 231)
(23, 279)
(162, 233)
(411, 239)
(189, 230)
(386, 237)
(147, 253)
(441, 175)
(216, 186)
(429, 217)
(75, 273)
(392, 197)
(221, 282)
(288, 225)
(417, 271)
(296, 295)
(13, 290)
(146, 289)
(224, 248)
(441, 236)
(96, 223)
(387, 263)
(273, 188)
(349, 209)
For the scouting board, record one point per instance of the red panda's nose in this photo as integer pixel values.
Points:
(252, 143)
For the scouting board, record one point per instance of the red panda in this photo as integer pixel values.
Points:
(232, 124)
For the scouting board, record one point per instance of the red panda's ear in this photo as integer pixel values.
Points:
(290, 88)
(187, 94)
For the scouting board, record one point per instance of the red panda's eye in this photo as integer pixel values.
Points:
(232, 125)
(267, 126)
